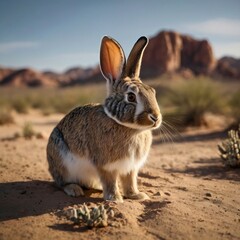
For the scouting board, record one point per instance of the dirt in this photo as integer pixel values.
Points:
(193, 195)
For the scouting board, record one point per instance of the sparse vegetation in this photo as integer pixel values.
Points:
(235, 106)
(28, 131)
(50, 100)
(6, 116)
(230, 149)
(193, 99)
(98, 216)
(20, 105)
(187, 100)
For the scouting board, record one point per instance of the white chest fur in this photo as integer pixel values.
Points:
(124, 166)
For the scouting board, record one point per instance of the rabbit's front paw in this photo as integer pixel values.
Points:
(73, 190)
(138, 196)
(114, 197)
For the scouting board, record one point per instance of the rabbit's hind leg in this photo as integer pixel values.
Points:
(57, 151)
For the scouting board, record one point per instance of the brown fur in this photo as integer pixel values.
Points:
(100, 138)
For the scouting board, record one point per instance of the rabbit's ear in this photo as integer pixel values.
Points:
(112, 59)
(135, 58)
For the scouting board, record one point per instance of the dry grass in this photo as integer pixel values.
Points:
(189, 100)
(49, 100)
(28, 131)
(193, 99)
(234, 104)
(6, 116)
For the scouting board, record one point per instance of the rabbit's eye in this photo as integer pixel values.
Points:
(131, 97)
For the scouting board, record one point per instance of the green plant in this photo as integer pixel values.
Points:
(6, 116)
(28, 131)
(91, 217)
(193, 99)
(235, 105)
(230, 149)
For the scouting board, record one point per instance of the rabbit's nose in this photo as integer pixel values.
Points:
(154, 118)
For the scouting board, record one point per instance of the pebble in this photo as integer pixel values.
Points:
(161, 193)
(208, 194)
(157, 194)
(167, 193)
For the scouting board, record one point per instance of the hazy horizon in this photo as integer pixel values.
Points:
(57, 35)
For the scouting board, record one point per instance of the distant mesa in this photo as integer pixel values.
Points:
(167, 52)
(4, 72)
(28, 78)
(171, 52)
(229, 67)
(31, 78)
(75, 76)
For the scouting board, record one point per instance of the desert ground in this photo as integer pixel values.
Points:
(192, 194)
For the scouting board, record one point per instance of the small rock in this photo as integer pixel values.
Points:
(182, 188)
(167, 193)
(208, 194)
(40, 135)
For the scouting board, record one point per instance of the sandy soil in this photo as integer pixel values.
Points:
(193, 196)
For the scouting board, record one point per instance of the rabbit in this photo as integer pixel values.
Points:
(98, 146)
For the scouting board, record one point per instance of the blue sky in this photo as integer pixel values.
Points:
(59, 34)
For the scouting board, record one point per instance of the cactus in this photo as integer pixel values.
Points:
(230, 149)
(97, 216)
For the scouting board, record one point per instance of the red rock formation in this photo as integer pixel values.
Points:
(76, 75)
(170, 51)
(229, 67)
(31, 78)
(27, 77)
(162, 54)
(197, 55)
(4, 72)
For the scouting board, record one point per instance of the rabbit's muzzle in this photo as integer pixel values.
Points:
(150, 119)
(156, 119)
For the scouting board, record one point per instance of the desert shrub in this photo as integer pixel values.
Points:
(20, 105)
(51, 100)
(28, 131)
(193, 99)
(66, 99)
(234, 105)
(230, 149)
(6, 116)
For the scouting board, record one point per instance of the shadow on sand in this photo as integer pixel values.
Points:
(193, 138)
(32, 198)
(210, 169)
